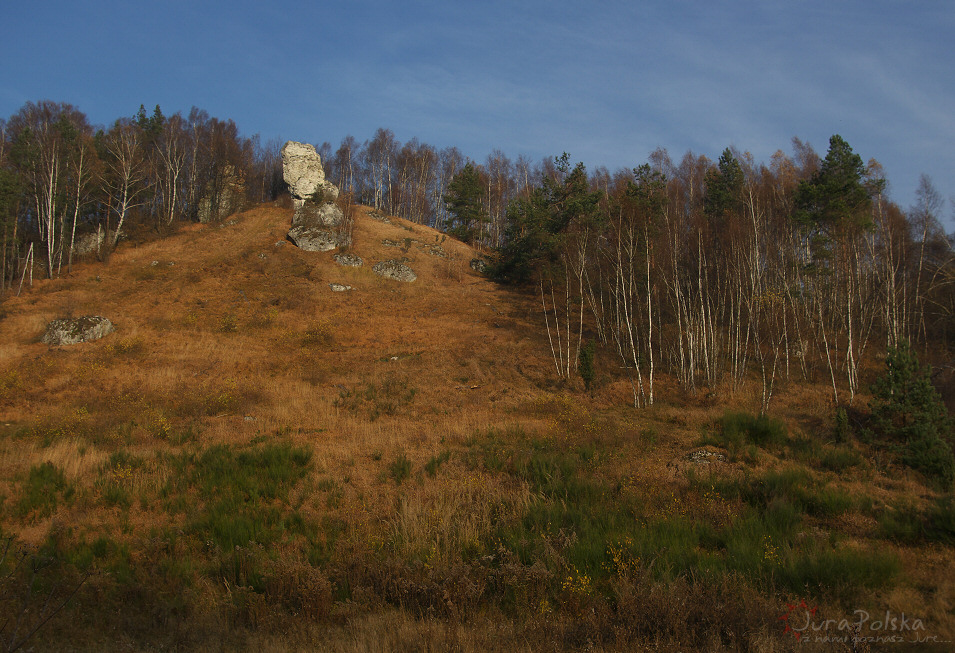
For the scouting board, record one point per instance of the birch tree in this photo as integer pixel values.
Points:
(125, 172)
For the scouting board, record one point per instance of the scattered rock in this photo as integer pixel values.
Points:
(70, 331)
(379, 216)
(396, 270)
(479, 265)
(316, 239)
(713, 461)
(705, 457)
(339, 287)
(437, 250)
(388, 242)
(349, 260)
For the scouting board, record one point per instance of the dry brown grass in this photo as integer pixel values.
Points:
(232, 338)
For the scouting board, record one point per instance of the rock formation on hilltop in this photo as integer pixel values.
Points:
(317, 218)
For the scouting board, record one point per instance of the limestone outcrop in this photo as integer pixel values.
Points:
(227, 199)
(317, 221)
(70, 331)
(303, 172)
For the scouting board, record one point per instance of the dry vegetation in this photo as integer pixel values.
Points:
(253, 462)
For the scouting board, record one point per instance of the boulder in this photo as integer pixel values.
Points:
(69, 331)
(396, 270)
(339, 287)
(349, 260)
(317, 239)
(479, 265)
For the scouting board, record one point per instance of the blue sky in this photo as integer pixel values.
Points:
(607, 81)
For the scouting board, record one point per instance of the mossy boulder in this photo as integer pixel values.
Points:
(70, 331)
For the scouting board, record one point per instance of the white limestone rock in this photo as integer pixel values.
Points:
(303, 172)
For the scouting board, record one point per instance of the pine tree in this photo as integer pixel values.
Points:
(908, 412)
(464, 202)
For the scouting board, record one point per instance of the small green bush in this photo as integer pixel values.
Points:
(840, 572)
(237, 497)
(927, 452)
(840, 428)
(840, 459)
(902, 523)
(941, 519)
(796, 486)
(432, 466)
(41, 490)
(739, 431)
(400, 469)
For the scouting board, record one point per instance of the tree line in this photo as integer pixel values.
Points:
(802, 267)
(64, 181)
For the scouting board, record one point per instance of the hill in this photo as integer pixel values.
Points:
(253, 460)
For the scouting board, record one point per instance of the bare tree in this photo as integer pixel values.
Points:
(125, 171)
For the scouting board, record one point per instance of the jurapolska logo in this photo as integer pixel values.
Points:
(791, 610)
(807, 625)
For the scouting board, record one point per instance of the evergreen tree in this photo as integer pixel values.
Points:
(724, 186)
(908, 412)
(834, 199)
(467, 215)
(540, 225)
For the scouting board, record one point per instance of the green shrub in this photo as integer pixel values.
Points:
(432, 466)
(796, 486)
(840, 429)
(839, 572)
(400, 469)
(941, 519)
(39, 496)
(840, 459)
(927, 452)
(740, 431)
(902, 523)
(239, 496)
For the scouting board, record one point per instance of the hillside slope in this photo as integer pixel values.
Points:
(255, 461)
